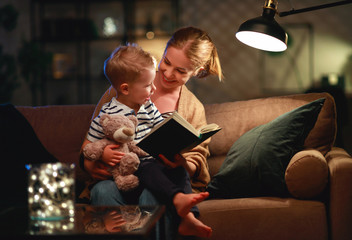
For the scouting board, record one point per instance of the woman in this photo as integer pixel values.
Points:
(189, 53)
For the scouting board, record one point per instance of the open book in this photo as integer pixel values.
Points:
(175, 135)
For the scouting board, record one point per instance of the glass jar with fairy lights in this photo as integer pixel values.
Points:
(51, 191)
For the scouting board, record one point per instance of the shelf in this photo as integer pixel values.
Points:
(81, 34)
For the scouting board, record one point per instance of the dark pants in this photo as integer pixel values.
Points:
(164, 182)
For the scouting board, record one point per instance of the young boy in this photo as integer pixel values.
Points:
(131, 71)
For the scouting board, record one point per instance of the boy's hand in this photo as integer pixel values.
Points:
(179, 160)
(111, 156)
(113, 222)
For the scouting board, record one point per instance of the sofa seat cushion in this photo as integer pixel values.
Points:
(307, 174)
(259, 218)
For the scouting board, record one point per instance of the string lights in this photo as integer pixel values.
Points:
(51, 194)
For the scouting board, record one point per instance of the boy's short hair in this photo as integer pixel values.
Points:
(126, 63)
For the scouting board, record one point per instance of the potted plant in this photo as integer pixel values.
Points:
(34, 62)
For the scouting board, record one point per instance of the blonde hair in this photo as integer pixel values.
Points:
(199, 48)
(126, 63)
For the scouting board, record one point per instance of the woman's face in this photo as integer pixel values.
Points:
(175, 68)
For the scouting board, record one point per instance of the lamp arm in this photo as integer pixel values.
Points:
(328, 5)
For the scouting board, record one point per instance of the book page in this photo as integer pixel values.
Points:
(208, 128)
(178, 118)
(174, 135)
(185, 123)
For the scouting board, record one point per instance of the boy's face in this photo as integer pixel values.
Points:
(142, 88)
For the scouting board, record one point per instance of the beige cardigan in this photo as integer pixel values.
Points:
(190, 108)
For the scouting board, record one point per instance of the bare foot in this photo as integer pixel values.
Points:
(191, 226)
(184, 202)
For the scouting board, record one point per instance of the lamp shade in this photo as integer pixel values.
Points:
(263, 33)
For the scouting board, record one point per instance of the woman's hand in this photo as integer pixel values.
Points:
(97, 169)
(111, 156)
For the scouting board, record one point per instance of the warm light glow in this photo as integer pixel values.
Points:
(261, 41)
(110, 27)
(150, 35)
(333, 79)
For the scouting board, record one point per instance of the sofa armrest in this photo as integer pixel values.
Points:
(340, 187)
(307, 174)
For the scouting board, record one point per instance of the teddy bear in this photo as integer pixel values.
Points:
(118, 129)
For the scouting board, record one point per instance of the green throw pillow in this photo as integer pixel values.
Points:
(256, 162)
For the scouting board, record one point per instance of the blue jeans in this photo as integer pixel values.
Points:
(106, 193)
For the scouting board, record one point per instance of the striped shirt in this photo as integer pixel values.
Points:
(148, 117)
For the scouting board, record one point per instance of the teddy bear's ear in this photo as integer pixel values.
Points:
(133, 119)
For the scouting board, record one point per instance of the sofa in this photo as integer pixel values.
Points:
(320, 207)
